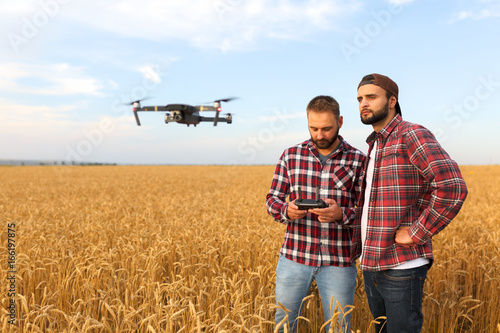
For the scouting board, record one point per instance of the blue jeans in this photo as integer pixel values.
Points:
(397, 295)
(293, 281)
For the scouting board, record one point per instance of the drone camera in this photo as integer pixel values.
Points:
(177, 115)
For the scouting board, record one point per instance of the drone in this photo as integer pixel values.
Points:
(184, 113)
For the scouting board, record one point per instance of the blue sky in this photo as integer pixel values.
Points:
(66, 67)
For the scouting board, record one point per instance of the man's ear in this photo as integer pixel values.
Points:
(392, 102)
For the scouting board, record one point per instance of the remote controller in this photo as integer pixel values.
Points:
(305, 204)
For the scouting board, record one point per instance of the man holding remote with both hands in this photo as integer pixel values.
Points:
(317, 241)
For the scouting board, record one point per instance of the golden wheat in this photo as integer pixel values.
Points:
(192, 249)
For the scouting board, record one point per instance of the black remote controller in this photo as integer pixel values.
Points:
(305, 204)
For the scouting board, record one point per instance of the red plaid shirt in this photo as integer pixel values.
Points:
(415, 184)
(307, 241)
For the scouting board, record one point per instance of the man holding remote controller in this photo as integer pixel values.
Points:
(321, 170)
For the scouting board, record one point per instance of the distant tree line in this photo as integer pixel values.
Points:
(74, 163)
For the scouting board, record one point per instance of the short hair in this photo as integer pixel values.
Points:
(324, 103)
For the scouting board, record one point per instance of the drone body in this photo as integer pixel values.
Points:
(186, 114)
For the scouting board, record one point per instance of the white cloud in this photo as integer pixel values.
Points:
(476, 14)
(35, 128)
(13, 114)
(225, 25)
(151, 72)
(47, 79)
(49, 132)
(216, 24)
(25, 7)
(113, 84)
(155, 72)
(484, 10)
(400, 2)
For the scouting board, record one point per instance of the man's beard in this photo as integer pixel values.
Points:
(325, 143)
(376, 116)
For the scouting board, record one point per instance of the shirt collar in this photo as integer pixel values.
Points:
(384, 132)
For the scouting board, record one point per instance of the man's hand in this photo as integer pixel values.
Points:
(403, 237)
(293, 212)
(329, 214)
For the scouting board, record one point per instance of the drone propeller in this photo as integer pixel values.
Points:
(218, 108)
(226, 99)
(217, 105)
(222, 100)
(136, 104)
(138, 101)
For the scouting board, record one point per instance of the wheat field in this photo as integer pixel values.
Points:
(192, 249)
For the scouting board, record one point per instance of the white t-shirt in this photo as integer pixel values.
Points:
(364, 217)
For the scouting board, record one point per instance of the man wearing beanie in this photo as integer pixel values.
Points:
(411, 190)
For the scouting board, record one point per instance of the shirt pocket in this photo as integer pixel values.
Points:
(395, 154)
(342, 177)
